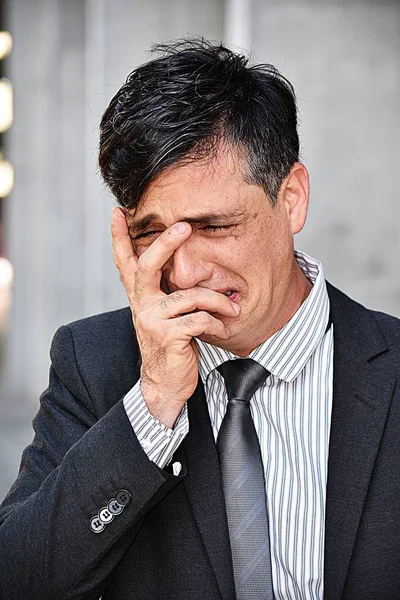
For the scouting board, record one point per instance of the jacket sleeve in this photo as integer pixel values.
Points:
(76, 465)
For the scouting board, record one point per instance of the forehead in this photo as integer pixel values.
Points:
(190, 190)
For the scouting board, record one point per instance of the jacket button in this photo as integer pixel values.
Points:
(114, 507)
(105, 515)
(176, 468)
(96, 525)
(123, 497)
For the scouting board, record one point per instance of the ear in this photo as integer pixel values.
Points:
(294, 195)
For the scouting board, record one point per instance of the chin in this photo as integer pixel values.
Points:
(210, 339)
(224, 344)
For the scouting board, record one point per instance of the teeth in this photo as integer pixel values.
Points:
(228, 293)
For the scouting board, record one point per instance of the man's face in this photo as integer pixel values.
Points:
(240, 244)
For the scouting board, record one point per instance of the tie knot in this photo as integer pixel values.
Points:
(242, 378)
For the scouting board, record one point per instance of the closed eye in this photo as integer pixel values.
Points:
(146, 234)
(215, 228)
(209, 228)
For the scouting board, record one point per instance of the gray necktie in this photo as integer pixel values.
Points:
(243, 482)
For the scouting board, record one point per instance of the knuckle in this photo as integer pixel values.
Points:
(205, 317)
(143, 263)
(117, 261)
(191, 293)
(173, 298)
(177, 296)
(188, 321)
(165, 302)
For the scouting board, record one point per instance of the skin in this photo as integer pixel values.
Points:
(199, 231)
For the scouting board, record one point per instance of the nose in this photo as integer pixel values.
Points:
(186, 268)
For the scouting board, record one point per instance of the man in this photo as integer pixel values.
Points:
(133, 487)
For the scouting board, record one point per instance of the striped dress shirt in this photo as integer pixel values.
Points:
(292, 414)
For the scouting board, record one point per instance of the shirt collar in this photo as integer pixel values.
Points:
(286, 353)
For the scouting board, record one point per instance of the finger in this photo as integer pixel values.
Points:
(201, 323)
(125, 258)
(197, 298)
(151, 262)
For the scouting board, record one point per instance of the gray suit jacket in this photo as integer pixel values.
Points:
(171, 540)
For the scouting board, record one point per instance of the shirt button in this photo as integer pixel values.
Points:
(96, 525)
(114, 507)
(105, 515)
(123, 497)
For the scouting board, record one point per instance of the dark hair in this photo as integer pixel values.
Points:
(183, 105)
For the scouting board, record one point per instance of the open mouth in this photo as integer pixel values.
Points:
(232, 295)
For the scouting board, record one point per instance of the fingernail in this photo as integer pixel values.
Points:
(236, 308)
(179, 228)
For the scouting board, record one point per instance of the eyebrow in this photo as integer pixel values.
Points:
(202, 219)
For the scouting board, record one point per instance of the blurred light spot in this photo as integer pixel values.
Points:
(6, 279)
(6, 273)
(6, 177)
(5, 44)
(6, 105)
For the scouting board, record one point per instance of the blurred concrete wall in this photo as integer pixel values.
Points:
(69, 58)
(343, 57)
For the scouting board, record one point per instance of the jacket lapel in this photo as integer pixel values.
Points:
(204, 488)
(361, 398)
